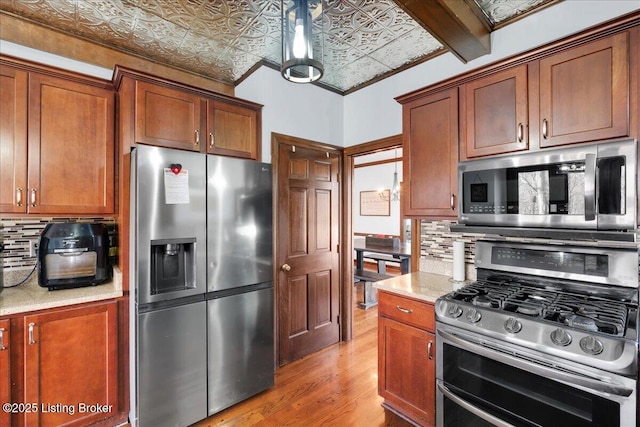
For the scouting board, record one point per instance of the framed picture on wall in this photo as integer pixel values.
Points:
(375, 203)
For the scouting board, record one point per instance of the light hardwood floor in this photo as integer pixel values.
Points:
(337, 386)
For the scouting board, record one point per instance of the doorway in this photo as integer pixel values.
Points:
(350, 154)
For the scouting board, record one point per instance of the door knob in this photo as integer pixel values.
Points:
(285, 267)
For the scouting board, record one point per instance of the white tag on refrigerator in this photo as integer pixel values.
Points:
(176, 187)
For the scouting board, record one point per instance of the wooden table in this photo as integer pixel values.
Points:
(381, 254)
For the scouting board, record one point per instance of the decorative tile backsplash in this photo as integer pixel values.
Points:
(436, 241)
(16, 233)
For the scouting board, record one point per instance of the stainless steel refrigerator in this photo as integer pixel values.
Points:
(240, 305)
(202, 270)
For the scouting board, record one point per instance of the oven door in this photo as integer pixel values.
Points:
(484, 382)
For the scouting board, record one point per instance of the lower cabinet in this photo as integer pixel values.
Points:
(407, 357)
(69, 369)
(5, 374)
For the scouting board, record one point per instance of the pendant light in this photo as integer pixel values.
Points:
(302, 40)
(395, 190)
(394, 193)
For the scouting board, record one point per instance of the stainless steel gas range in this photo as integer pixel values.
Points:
(546, 336)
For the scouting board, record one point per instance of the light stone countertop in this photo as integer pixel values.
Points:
(420, 285)
(31, 297)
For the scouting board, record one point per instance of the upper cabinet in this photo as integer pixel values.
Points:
(430, 142)
(13, 139)
(57, 145)
(168, 117)
(584, 92)
(577, 95)
(168, 114)
(71, 147)
(233, 130)
(495, 113)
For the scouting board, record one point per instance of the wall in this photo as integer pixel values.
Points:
(299, 110)
(24, 52)
(368, 178)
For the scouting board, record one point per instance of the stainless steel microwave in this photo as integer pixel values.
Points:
(590, 186)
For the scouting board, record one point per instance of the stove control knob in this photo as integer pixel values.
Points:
(591, 345)
(560, 337)
(473, 315)
(512, 325)
(454, 311)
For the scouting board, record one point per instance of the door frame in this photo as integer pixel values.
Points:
(350, 153)
(278, 140)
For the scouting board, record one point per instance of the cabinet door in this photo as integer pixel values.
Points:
(232, 130)
(13, 140)
(584, 92)
(71, 362)
(406, 370)
(430, 139)
(168, 117)
(71, 147)
(5, 372)
(495, 110)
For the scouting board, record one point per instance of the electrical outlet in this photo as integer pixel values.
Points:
(33, 247)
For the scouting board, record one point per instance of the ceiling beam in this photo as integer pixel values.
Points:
(458, 24)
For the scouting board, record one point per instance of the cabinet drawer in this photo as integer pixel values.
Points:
(406, 310)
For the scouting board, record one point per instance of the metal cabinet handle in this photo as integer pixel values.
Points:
(19, 196)
(520, 132)
(31, 327)
(197, 137)
(211, 140)
(285, 267)
(404, 310)
(453, 202)
(545, 128)
(2, 347)
(430, 350)
(33, 197)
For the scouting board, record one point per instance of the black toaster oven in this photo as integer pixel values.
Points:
(72, 255)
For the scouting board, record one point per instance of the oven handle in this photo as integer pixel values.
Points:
(469, 407)
(593, 385)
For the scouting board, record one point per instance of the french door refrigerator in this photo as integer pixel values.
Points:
(202, 268)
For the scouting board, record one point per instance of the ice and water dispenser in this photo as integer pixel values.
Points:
(173, 265)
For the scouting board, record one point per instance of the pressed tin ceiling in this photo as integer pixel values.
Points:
(364, 40)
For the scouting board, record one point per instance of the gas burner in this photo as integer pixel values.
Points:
(529, 311)
(581, 322)
(530, 302)
(482, 301)
(467, 291)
